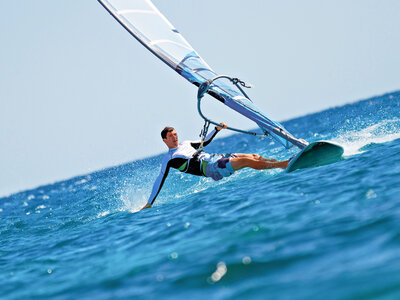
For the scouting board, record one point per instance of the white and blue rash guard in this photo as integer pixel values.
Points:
(186, 159)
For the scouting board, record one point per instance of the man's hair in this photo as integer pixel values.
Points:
(165, 131)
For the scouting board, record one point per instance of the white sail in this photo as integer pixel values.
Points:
(146, 23)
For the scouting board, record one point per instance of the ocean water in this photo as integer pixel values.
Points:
(331, 232)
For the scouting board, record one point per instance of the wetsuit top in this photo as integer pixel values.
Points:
(186, 159)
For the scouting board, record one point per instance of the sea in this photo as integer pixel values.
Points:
(328, 232)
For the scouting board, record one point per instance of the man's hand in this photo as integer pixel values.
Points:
(224, 126)
(146, 206)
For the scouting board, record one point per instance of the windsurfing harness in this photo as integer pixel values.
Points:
(187, 158)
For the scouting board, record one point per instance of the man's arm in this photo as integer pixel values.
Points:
(158, 184)
(209, 137)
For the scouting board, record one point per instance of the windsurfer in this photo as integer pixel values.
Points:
(188, 157)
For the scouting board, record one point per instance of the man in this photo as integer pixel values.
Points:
(186, 158)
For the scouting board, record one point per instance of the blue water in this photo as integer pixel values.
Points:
(331, 232)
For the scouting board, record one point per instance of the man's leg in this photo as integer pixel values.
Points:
(255, 156)
(255, 161)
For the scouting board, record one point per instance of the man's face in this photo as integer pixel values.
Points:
(171, 140)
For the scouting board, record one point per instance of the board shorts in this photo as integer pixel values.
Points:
(220, 166)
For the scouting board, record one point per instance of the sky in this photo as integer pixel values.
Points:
(78, 93)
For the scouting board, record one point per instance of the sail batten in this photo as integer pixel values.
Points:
(135, 11)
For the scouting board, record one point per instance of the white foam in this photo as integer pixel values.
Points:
(103, 214)
(382, 132)
(80, 182)
(132, 200)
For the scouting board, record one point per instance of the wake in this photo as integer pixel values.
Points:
(358, 141)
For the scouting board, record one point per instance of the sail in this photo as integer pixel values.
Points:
(152, 29)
